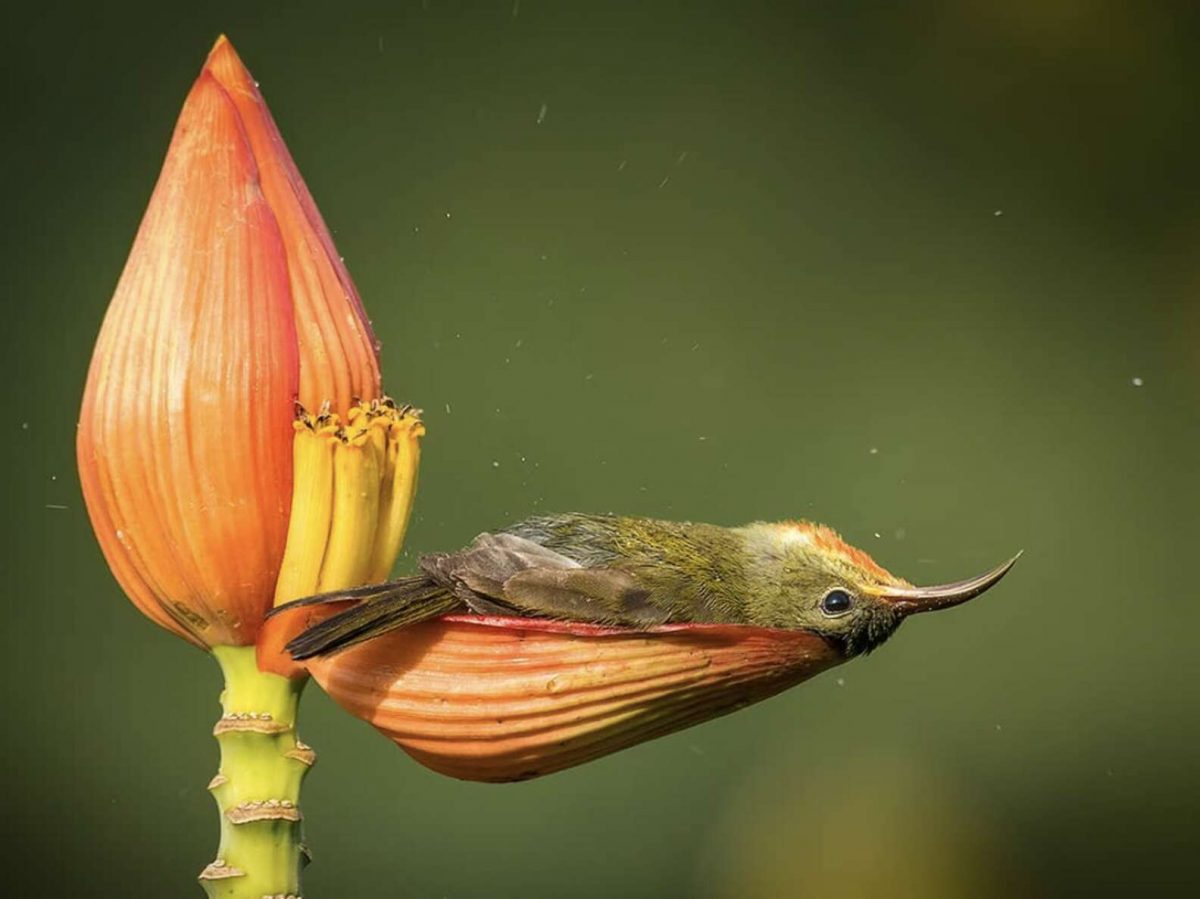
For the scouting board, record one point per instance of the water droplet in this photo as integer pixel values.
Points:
(542, 114)
(841, 682)
(24, 426)
(1137, 382)
(877, 535)
(447, 408)
(998, 213)
(495, 464)
(874, 451)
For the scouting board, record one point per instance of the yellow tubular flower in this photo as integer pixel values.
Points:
(352, 499)
(312, 505)
(403, 455)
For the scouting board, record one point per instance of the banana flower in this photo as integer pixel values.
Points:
(236, 452)
(235, 449)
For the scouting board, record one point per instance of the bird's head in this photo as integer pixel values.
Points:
(808, 578)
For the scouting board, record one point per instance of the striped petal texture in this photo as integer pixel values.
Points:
(502, 699)
(337, 347)
(185, 436)
(233, 307)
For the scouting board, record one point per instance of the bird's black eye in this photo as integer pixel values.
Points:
(836, 602)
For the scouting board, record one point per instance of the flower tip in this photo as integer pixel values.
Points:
(222, 46)
(338, 355)
(226, 66)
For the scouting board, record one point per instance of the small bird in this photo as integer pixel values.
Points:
(641, 572)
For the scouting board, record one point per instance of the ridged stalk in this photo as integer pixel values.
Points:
(257, 787)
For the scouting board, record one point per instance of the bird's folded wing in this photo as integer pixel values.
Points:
(504, 571)
(599, 595)
(490, 560)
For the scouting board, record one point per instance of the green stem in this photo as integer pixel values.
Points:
(257, 787)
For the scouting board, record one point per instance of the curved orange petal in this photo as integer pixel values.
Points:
(337, 345)
(185, 434)
(499, 699)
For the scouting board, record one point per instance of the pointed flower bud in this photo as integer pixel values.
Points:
(234, 311)
(501, 699)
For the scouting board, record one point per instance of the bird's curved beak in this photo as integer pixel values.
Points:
(911, 600)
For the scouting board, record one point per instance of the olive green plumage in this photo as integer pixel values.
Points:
(689, 572)
(633, 572)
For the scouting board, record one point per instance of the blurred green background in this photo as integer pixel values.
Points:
(925, 272)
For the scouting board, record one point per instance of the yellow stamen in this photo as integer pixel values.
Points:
(357, 471)
(351, 498)
(312, 502)
(399, 487)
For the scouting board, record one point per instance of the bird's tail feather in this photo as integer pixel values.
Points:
(382, 608)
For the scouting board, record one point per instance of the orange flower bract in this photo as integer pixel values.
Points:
(233, 306)
(500, 699)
